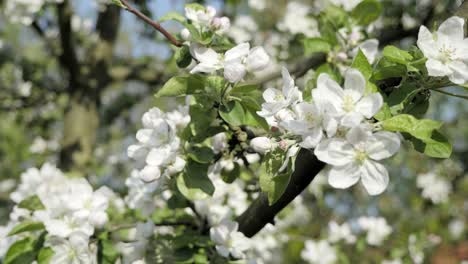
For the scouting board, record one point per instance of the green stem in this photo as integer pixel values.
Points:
(451, 94)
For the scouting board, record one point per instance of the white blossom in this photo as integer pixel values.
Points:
(72, 250)
(446, 50)
(140, 237)
(296, 20)
(236, 62)
(337, 232)
(350, 105)
(229, 241)
(456, 228)
(275, 108)
(357, 157)
(377, 229)
(434, 187)
(318, 252)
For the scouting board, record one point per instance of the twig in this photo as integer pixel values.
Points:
(451, 94)
(152, 23)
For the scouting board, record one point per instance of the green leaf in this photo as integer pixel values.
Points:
(397, 55)
(314, 45)
(366, 12)
(182, 86)
(200, 154)
(172, 16)
(390, 71)
(26, 226)
(107, 254)
(329, 69)
(233, 113)
(24, 250)
(362, 64)
(436, 147)
(232, 175)
(44, 256)
(31, 203)
(194, 184)
(384, 113)
(183, 57)
(273, 182)
(421, 129)
(244, 89)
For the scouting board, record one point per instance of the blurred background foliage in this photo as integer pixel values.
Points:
(78, 104)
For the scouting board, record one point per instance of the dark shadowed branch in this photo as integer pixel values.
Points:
(260, 212)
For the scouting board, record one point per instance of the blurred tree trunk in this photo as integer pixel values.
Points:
(87, 79)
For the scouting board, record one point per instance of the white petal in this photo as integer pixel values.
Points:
(144, 135)
(344, 176)
(436, 68)
(460, 72)
(204, 68)
(258, 59)
(238, 52)
(328, 91)
(204, 55)
(427, 43)
(370, 105)
(234, 71)
(288, 82)
(271, 95)
(330, 125)
(374, 177)
(335, 151)
(352, 119)
(150, 173)
(385, 145)
(358, 136)
(355, 84)
(311, 139)
(452, 28)
(370, 49)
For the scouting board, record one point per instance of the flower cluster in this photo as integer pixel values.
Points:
(337, 124)
(236, 62)
(229, 241)
(204, 19)
(24, 11)
(377, 229)
(158, 149)
(434, 187)
(68, 208)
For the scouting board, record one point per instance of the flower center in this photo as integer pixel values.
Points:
(360, 156)
(348, 103)
(279, 97)
(447, 53)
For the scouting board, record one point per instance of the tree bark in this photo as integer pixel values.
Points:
(260, 213)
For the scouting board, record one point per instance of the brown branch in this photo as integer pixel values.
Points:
(260, 213)
(152, 23)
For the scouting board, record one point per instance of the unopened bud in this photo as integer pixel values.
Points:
(261, 144)
(185, 34)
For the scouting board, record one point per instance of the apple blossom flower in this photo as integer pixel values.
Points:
(297, 20)
(318, 252)
(377, 229)
(241, 59)
(74, 250)
(446, 50)
(357, 157)
(237, 62)
(350, 105)
(219, 142)
(229, 241)
(434, 187)
(338, 232)
(274, 109)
